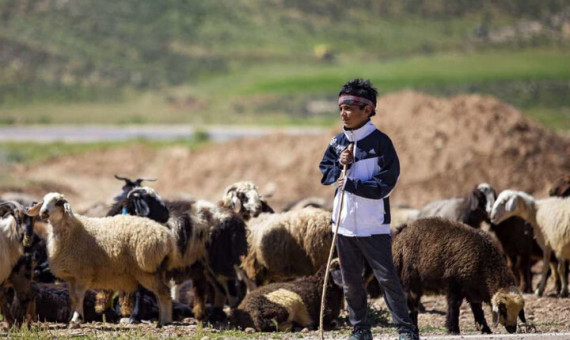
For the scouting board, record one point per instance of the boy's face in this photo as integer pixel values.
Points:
(353, 116)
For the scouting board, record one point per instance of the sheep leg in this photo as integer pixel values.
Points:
(77, 295)
(563, 277)
(218, 305)
(199, 287)
(514, 265)
(413, 306)
(480, 322)
(454, 300)
(524, 269)
(221, 291)
(161, 290)
(5, 305)
(545, 264)
(556, 276)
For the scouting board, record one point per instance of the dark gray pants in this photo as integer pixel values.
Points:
(377, 251)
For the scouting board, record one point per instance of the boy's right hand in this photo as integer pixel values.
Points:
(345, 157)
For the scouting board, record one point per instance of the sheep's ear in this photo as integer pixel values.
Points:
(266, 208)
(475, 197)
(67, 208)
(521, 316)
(236, 204)
(34, 210)
(511, 203)
(141, 208)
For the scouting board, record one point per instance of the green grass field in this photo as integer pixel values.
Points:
(278, 94)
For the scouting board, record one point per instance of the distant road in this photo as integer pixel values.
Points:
(97, 133)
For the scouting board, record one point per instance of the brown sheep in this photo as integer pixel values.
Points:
(436, 255)
(281, 305)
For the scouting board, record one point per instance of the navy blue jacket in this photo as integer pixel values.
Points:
(371, 179)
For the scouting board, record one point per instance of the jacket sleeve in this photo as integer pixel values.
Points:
(382, 183)
(330, 166)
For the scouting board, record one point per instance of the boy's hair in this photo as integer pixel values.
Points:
(361, 88)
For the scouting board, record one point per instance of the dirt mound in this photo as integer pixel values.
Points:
(446, 146)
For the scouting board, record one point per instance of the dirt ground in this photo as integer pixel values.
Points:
(446, 146)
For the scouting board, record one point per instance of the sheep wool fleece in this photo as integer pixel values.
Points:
(364, 231)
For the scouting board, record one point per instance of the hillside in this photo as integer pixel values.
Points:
(95, 50)
(446, 147)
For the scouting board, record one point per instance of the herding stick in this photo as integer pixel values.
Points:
(322, 314)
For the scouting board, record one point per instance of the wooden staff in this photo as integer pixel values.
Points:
(343, 175)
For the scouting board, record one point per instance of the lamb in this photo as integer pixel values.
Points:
(117, 253)
(209, 238)
(287, 245)
(245, 200)
(282, 305)
(435, 255)
(550, 220)
(472, 209)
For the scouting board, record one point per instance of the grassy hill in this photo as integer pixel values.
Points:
(224, 61)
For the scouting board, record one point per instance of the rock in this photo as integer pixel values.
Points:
(249, 330)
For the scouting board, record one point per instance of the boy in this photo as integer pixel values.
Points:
(364, 231)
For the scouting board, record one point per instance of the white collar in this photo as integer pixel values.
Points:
(361, 132)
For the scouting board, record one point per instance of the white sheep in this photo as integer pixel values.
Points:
(287, 245)
(550, 219)
(115, 253)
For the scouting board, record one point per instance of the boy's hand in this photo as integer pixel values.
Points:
(345, 157)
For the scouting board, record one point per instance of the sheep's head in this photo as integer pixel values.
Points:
(129, 185)
(244, 199)
(510, 203)
(24, 223)
(53, 207)
(145, 202)
(508, 304)
(489, 194)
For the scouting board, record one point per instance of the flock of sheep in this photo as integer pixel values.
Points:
(168, 260)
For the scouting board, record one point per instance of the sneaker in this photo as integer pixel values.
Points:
(409, 336)
(361, 334)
